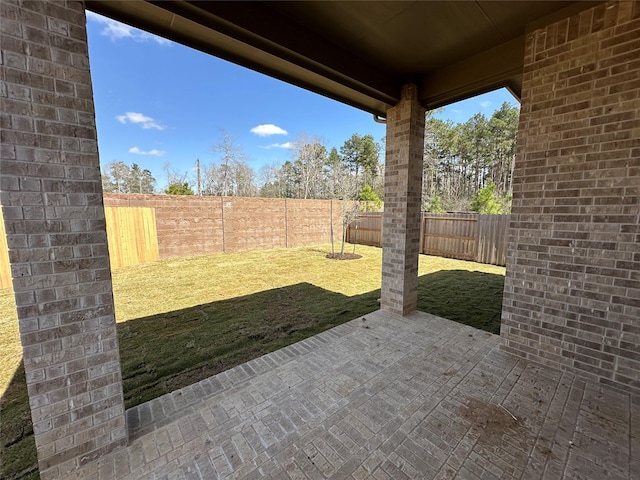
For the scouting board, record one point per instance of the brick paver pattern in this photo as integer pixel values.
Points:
(383, 397)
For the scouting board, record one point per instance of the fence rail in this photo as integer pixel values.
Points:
(465, 236)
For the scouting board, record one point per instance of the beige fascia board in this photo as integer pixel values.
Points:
(498, 67)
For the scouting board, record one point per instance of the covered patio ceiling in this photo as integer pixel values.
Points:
(359, 53)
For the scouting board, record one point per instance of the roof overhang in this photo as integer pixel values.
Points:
(359, 53)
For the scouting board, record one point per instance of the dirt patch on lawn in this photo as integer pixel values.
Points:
(344, 256)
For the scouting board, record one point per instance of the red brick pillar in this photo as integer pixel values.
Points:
(572, 291)
(51, 197)
(402, 199)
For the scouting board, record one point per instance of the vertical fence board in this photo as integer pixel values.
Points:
(492, 239)
(132, 235)
(5, 267)
(150, 250)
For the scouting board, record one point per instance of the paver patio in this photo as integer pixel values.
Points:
(383, 397)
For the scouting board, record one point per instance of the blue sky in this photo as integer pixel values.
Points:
(157, 101)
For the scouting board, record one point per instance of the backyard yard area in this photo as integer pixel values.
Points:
(183, 320)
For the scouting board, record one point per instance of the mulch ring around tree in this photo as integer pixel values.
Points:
(344, 256)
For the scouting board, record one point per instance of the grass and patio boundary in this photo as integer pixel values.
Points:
(182, 320)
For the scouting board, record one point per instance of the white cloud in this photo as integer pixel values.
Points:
(143, 120)
(154, 152)
(278, 145)
(485, 104)
(117, 31)
(268, 129)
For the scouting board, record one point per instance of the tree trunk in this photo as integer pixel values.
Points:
(344, 237)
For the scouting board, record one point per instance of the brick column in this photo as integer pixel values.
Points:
(572, 291)
(402, 198)
(51, 197)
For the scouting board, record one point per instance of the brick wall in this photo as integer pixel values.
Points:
(192, 225)
(51, 198)
(308, 222)
(572, 292)
(254, 223)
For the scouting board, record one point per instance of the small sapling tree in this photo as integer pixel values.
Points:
(345, 191)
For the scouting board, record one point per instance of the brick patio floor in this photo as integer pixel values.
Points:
(383, 397)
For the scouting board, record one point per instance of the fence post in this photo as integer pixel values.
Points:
(224, 249)
(286, 225)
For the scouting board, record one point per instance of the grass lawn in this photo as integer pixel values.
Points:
(183, 320)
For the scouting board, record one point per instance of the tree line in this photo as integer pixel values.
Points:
(467, 166)
(121, 178)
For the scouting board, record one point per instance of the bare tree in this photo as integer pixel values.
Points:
(268, 179)
(244, 180)
(119, 177)
(309, 161)
(229, 153)
(115, 178)
(175, 177)
(345, 191)
(234, 179)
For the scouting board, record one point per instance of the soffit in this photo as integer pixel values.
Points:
(360, 53)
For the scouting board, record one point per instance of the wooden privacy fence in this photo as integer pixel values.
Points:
(367, 230)
(5, 270)
(465, 236)
(144, 228)
(449, 236)
(132, 235)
